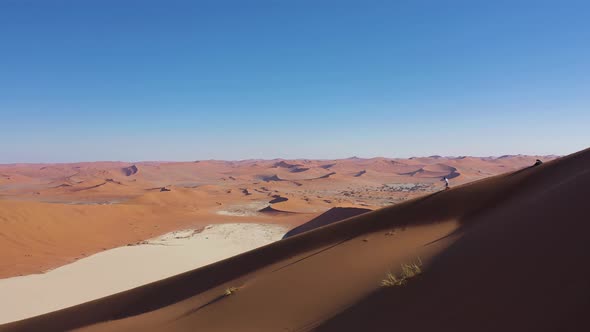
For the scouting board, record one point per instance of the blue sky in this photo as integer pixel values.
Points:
(187, 80)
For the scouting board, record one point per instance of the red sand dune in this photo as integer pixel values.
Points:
(52, 214)
(329, 217)
(507, 253)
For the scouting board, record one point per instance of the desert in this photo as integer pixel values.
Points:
(294, 166)
(74, 233)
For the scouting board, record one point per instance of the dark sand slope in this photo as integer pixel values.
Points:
(508, 253)
(522, 266)
(329, 217)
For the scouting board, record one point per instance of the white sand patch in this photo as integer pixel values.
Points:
(123, 268)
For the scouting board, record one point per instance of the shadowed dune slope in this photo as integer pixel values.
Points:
(507, 253)
(131, 170)
(522, 266)
(331, 216)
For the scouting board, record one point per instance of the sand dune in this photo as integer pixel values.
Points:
(329, 217)
(131, 170)
(285, 164)
(360, 173)
(270, 210)
(269, 178)
(53, 215)
(434, 171)
(299, 169)
(503, 253)
(62, 212)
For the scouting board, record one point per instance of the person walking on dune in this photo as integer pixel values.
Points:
(446, 182)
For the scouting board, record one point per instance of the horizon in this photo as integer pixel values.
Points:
(152, 80)
(280, 159)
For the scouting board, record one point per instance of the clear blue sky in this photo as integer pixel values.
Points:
(185, 80)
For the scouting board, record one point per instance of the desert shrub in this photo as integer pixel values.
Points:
(229, 291)
(408, 271)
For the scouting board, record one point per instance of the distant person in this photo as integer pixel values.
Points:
(446, 182)
(538, 162)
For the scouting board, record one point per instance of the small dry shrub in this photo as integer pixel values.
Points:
(408, 271)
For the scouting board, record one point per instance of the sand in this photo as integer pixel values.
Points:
(123, 268)
(506, 253)
(55, 214)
